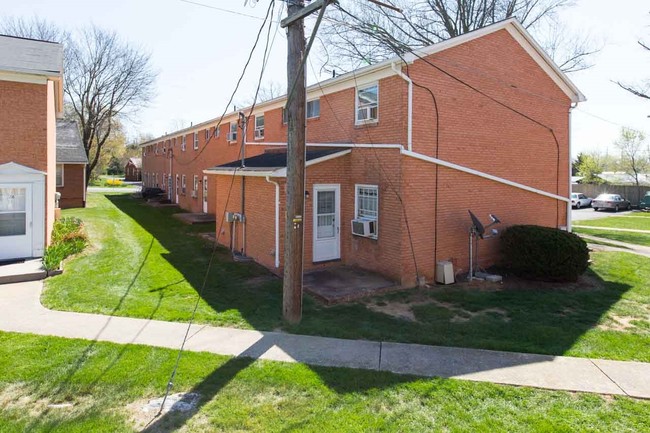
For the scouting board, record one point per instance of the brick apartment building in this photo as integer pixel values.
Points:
(71, 162)
(398, 152)
(31, 97)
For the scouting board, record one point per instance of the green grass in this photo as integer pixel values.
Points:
(629, 237)
(621, 222)
(100, 380)
(143, 263)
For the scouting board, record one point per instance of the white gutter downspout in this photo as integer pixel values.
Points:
(569, 208)
(277, 221)
(484, 175)
(410, 105)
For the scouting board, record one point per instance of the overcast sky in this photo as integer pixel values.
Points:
(200, 51)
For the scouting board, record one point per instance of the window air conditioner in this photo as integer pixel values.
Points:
(194, 193)
(259, 133)
(364, 227)
(232, 136)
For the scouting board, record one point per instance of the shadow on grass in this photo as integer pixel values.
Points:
(536, 321)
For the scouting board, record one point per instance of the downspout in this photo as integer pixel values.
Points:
(406, 78)
(569, 208)
(244, 123)
(277, 221)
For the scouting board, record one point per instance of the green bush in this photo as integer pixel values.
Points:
(68, 238)
(543, 253)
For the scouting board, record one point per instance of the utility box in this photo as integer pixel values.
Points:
(445, 272)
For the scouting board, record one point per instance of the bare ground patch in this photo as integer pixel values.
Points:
(17, 397)
(624, 323)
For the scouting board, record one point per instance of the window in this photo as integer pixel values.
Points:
(232, 135)
(207, 134)
(196, 140)
(217, 131)
(174, 142)
(367, 202)
(367, 104)
(196, 183)
(183, 185)
(313, 108)
(59, 175)
(183, 144)
(259, 126)
(285, 116)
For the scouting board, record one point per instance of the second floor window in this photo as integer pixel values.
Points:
(259, 126)
(232, 135)
(367, 104)
(313, 108)
(196, 140)
(183, 143)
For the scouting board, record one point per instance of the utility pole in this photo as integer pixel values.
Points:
(295, 188)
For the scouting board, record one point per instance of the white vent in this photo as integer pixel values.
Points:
(364, 227)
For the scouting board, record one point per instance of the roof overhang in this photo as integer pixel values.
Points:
(270, 171)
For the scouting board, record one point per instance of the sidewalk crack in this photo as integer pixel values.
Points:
(608, 377)
(381, 346)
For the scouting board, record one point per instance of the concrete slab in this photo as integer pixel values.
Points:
(344, 283)
(29, 270)
(631, 377)
(195, 218)
(541, 371)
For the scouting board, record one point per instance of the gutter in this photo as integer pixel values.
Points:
(569, 208)
(277, 221)
(484, 175)
(410, 104)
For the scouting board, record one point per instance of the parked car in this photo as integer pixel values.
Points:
(579, 200)
(610, 201)
(645, 201)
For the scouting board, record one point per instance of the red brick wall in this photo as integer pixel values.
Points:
(23, 124)
(72, 191)
(132, 173)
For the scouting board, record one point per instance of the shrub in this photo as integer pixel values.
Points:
(543, 253)
(68, 238)
(113, 182)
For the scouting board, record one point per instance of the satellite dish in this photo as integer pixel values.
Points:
(480, 230)
(494, 218)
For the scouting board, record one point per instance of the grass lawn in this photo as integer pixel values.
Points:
(629, 237)
(143, 263)
(52, 384)
(621, 222)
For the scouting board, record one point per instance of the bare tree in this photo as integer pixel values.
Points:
(269, 91)
(358, 33)
(106, 79)
(635, 154)
(641, 90)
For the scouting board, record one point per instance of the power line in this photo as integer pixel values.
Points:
(229, 11)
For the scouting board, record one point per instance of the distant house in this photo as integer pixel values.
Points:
(31, 98)
(133, 170)
(71, 162)
(397, 153)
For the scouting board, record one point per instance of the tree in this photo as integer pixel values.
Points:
(360, 33)
(635, 154)
(641, 90)
(106, 79)
(589, 166)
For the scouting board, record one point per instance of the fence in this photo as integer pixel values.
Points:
(630, 192)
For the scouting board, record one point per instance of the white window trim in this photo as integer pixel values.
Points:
(257, 128)
(356, 104)
(196, 183)
(230, 132)
(312, 100)
(207, 134)
(62, 176)
(356, 204)
(183, 144)
(196, 141)
(183, 185)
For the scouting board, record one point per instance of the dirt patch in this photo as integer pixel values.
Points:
(622, 323)
(255, 282)
(17, 397)
(400, 310)
(143, 413)
(462, 315)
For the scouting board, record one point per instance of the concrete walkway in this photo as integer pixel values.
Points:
(620, 246)
(614, 229)
(21, 311)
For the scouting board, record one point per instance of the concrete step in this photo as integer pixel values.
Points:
(29, 270)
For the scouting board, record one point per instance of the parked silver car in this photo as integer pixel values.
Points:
(610, 201)
(579, 200)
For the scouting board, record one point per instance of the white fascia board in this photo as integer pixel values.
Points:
(23, 77)
(483, 175)
(244, 172)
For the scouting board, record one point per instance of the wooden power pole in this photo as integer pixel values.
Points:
(295, 188)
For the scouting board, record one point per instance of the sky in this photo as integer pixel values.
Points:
(199, 52)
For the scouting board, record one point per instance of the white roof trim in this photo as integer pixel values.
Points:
(262, 172)
(12, 168)
(383, 69)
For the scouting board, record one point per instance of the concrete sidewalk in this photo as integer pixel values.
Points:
(614, 229)
(21, 311)
(619, 246)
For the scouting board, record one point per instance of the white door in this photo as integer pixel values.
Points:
(176, 189)
(15, 221)
(205, 194)
(327, 210)
(169, 187)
